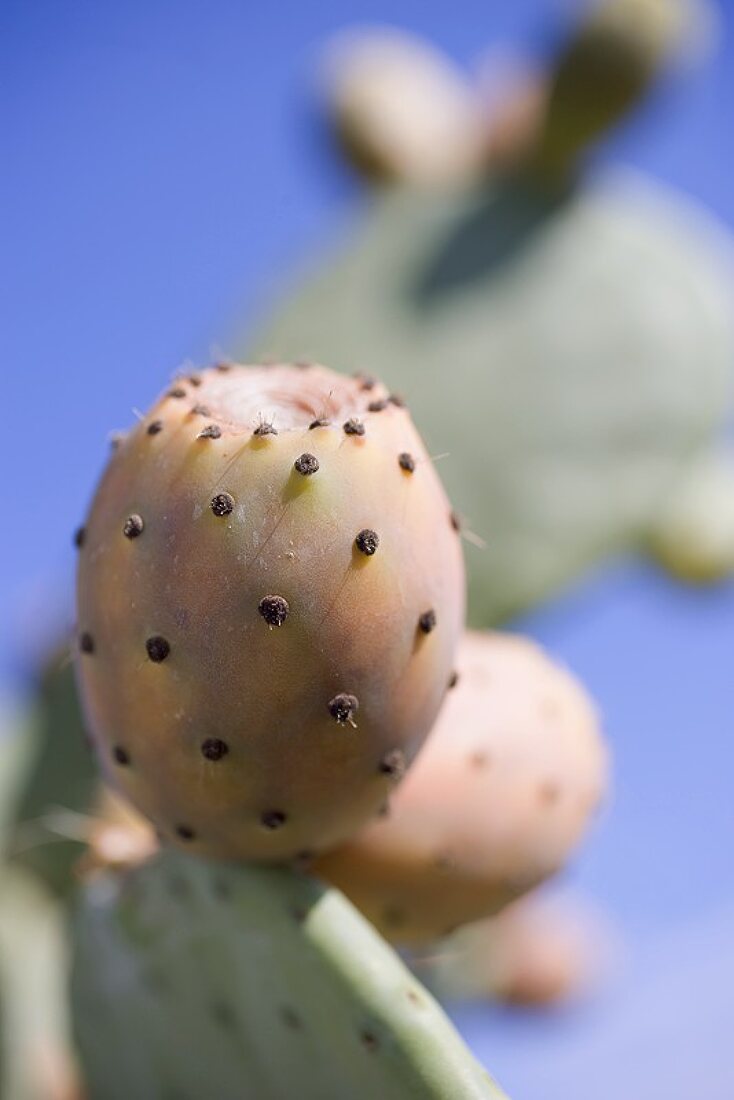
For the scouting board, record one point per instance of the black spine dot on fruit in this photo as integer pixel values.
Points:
(397, 400)
(367, 541)
(116, 440)
(406, 462)
(306, 464)
(185, 832)
(273, 819)
(200, 410)
(455, 521)
(274, 610)
(121, 756)
(303, 364)
(79, 535)
(366, 381)
(377, 406)
(133, 526)
(353, 426)
(319, 422)
(154, 427)
(223, 367)
(195, 379)
(427, 621)
(343, 706)
(177, 391)
(222, 504)
(214, 748)
(549, 792)
(157, 648)
(86, 642)
(393, 764)
(211, 431)
(453, 680)
(266, 428)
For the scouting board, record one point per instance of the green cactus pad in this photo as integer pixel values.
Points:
(16, 751)
(195, 979)
(57, 783)
(34, 1025)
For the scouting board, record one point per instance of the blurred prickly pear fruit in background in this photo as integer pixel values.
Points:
(566, 336)
(401, 110)
(497, 801)
(539, 951)
(280, 988)
(270, 593)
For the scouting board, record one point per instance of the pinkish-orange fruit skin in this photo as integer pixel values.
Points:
(498, 799)
(290, 778)
(540, 951)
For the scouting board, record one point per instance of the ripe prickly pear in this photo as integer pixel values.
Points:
(499, 797)
(255, 580)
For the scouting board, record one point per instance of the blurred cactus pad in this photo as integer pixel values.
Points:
(279, 987)
(47, 799)
(563, 337)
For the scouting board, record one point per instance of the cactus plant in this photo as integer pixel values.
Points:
(35, 1026)
(270, 591)
(496, 802)
(34, 1016)
(405, 113)
(44, 832)
(565, 336)
(279, 988)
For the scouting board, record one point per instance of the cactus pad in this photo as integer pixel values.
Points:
(570, 350)
(194, 978)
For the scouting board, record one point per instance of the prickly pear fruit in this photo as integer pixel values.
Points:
(499, 797)
(693, 533)
(279, 986)
(402, 111)
(540, 951)
(269, 599)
